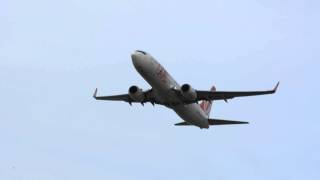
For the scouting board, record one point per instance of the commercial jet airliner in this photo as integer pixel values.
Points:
(193, 106)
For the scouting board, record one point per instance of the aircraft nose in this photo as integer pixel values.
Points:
(138, 57)
(135, 58)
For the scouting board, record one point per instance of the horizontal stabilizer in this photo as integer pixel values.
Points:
(183, 124)
(214, 122)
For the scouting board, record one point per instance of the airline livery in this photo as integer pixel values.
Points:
(193, 106)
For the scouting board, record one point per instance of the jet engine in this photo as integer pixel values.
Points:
(188, 92)
(136, 93)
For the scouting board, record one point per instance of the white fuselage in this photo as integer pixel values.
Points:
(163, 84)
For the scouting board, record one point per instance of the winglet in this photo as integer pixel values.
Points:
(276, 87)
(95, 93)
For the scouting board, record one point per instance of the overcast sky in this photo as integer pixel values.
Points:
(54, 53)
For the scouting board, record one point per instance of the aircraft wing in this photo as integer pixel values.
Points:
(225, 95)
(222, 95)
(149, 97)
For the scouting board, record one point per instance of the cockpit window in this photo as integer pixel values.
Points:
(142, 52)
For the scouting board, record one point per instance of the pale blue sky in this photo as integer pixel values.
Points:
(54, 53)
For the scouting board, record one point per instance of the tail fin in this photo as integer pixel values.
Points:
(206, 105)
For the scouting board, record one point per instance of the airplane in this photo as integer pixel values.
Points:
(192, 105)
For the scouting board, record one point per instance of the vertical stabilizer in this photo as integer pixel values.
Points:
(206, 105)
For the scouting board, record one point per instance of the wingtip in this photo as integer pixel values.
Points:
(276, 87)
(95, 93)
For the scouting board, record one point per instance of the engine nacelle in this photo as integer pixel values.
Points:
(136, 93)
(188, 92)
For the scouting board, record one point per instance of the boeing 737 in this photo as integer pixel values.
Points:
(192, 105)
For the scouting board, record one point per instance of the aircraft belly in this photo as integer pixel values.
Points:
(161, 86)
(162, 90)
